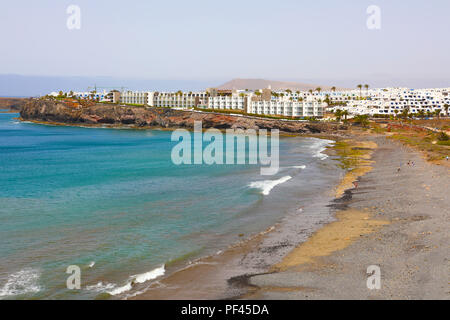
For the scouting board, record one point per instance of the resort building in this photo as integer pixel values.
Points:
(227, 99)
(286, 107)
(299, 104)
(178, 100)
(392, 101)
(135, 97)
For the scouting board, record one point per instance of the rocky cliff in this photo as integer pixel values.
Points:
(101, 114)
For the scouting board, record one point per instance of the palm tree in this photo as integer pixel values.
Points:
(333, 89)
(366, 86)
(338, 114)
(446, 108)
(318, 89)
(363, 119)
(421, 114)
(359, 86)
(345, 114)
(405, 112)
(310, 91)
(437, 113)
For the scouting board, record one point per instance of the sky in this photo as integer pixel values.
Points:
(209, 41)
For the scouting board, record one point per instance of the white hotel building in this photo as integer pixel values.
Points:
(264, 102)
(178, 100)
(261, 102)
(233, 102)
(288, 108)
(392, 101)
(135, 97)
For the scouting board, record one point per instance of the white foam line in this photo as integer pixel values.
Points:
(139, 278)
(21, 282)
(319, 146)
(267, 185)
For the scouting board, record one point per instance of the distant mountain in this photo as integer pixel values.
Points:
(253, 84)
(12, 85)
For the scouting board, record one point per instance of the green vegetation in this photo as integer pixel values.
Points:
(436, 146)
(219, 110)
(443, 136)
(444, 143)
(362, 120)
(349, 157)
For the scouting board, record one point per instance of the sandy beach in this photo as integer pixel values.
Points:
(395, 219)
(407, 218)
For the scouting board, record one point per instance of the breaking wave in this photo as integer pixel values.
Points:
(267, 185)
(139, 278)
(21, 282)
(319, 146)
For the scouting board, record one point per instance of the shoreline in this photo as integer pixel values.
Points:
(195, 280)
(202, 264)
(332, 262)
(361, 220)
(395, 220)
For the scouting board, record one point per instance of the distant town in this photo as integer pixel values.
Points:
(318, 103)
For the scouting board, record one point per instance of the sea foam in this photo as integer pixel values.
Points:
(319, 146)
(100, 287)
(21, 282)
(267, 185)
(158, 272)
(139, 278)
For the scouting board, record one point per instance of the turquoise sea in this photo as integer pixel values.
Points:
(112, 202)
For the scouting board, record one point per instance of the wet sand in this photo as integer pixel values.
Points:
(396, 220)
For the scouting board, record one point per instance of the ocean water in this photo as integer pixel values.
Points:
(112, 203)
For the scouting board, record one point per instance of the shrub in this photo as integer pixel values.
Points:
(443, 136)
(444, 143)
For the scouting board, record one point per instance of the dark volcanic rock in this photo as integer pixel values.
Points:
(58, 112)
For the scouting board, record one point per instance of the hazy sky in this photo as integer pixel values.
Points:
(320, 40)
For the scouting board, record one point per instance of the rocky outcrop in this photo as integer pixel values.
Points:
(114, 115)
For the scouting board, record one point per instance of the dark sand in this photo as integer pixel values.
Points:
(412, 251)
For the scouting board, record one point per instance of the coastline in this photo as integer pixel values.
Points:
(224, 275)
(396, 220)
(331, 263)
(339, 248)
